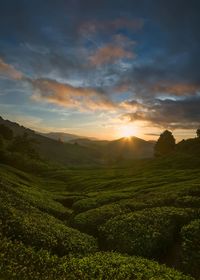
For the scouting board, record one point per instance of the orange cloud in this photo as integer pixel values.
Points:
(132, 105)
(66, 95)
(8, 70)
(109, 54)
(178, 89)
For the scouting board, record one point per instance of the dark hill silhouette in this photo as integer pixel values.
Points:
(131, 147)
(54, 150)
(65, 137)
(190, 146)
(84, 151)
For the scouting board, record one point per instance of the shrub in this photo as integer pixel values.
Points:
(90, 220)
(117, 267)
(21, 263)
(145, 233)
(191, 247)
(21, 221)
(99, 200)
(188, 201)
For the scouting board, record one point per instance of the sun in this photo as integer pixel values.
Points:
(127, 131)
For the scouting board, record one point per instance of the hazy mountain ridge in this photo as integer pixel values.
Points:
(54, 150)
(65, 137)
(84, 151)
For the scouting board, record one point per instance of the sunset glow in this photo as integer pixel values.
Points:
(127, 131)
(83, 67)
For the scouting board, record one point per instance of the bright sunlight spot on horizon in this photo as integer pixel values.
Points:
(128, 131)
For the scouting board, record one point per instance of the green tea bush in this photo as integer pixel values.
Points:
(133, 204)
(97, 201)
(44, 231)
(21, 221)
(18, 262)
(23, 263)
(188, 201)
(25, 187)
(89, 221)
(191, 248)
(145, 233)
(113, 266)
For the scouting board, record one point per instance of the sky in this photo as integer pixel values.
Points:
(104, 69)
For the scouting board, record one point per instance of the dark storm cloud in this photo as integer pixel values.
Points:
(44, 36)
(155, 79)
(170, 113)
(61, 38)
(173, 69)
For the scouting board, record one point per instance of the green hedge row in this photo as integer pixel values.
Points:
(20, 263)
(191, 248)
(21, 192)
(24, 263)
(21, 221)
(89, 221)
(99, 200)
(145, 233)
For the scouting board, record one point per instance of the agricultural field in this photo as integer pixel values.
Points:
(99, 140)
(139, 220)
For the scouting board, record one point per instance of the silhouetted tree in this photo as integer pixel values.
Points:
(165, 144)
(6, 132)
(198, 132)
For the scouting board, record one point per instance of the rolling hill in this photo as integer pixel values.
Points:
(74, 221)
(100, 223)
(64, 137)
(54, 150)
(129, 148)
(83, 151)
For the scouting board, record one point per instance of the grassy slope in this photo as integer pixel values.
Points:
(94, 201)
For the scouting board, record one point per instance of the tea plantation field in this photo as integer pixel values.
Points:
(135, 221)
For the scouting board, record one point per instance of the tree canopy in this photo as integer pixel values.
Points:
(165, 144)
(198, 132)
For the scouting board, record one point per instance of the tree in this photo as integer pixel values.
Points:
(198, 132)
(6, 132)
(165, 144)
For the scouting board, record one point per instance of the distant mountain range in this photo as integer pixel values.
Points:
(64, 137)
(72, 149)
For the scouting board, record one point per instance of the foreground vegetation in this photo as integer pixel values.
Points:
(137, 220)
(53, 222)
(20, 262)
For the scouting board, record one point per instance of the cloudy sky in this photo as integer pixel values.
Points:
(100, 68)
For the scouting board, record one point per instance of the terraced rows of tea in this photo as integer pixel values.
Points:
(140, 221)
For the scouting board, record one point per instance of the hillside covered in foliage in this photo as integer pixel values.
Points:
(139, 219)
